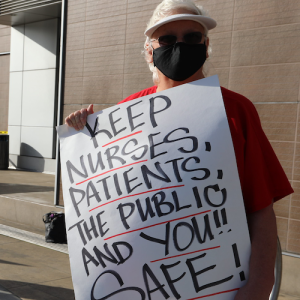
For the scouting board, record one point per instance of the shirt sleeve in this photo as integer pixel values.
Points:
(264, 179)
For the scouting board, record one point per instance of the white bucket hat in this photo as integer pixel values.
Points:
(207, 22)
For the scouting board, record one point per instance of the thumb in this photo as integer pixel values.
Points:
(90, 109)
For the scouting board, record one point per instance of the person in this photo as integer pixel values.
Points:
(176, 47)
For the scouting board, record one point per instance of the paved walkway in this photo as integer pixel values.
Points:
(28, 270)
(32, 272)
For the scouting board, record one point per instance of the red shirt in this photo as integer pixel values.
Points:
(261, 175)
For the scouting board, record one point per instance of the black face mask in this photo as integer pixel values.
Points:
(179, 61)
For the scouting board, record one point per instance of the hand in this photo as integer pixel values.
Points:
(77, 119)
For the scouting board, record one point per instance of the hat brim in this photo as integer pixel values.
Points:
(207, 22)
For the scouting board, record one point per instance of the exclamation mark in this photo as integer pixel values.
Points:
(237, 261)
(207, 146)
(220, 174)
(224, 216)
(216, 217)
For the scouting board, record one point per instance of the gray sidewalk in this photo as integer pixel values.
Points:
(28, 270)
(33, 272)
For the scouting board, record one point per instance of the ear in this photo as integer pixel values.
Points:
(207, 44)
(149, 51)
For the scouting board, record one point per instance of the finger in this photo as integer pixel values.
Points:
(72, 118)
(77, 119)
(83, 117)
(68, 121)
(90, 109)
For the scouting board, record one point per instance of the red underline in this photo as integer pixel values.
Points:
(184, 254)
(157, 224)
(124, 137)
(111, 171)
(214, 294)
(165, 188)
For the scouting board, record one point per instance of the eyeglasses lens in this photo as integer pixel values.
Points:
(191, 38)
(167, 40)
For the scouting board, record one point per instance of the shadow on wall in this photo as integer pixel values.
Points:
(29, 159)
(35, 291)
(34, 159)
(42, 33)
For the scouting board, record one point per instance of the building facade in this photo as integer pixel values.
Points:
(255, 52)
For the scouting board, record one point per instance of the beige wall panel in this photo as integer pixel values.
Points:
(74, 63)
(68, 109)
(278, 120)
(290, 288)
(138, 5)
(75, 36)
(105, 32)
(4, 68)
(282, 231)
(4, 92)
(293, 241)
(76, 11)
(221, 49)
(298, 127)
(222, 73)
(285, 154)
(136, 25)
(104, 61)
(221, 11)
(73, 90)
(297, 162)
(273, 83)
(256, 13)
(98, 107)
(295, 201)
(282, 207)
(5, 43)
(272, 45)
(103, 89)
(4, 30)
(134, 59)
(96, 9)
(134, 83)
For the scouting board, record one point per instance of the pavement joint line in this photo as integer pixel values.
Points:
(17, 199)
(58, 279)
(32, 238)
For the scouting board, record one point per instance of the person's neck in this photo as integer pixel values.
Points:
(167, 83)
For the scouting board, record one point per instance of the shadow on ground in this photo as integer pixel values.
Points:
(35, 291)
(11, 188)
(11, 263)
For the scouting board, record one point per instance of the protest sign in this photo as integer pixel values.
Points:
(153, 203)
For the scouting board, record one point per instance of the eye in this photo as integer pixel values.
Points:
(167, 40)
(193, 38)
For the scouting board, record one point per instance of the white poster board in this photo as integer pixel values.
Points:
(153, 203)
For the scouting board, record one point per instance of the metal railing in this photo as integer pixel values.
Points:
(277, 272)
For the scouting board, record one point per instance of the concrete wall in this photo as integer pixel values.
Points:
(255, 52)
(4, 76)
(33, 95)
